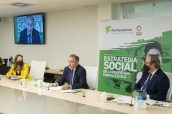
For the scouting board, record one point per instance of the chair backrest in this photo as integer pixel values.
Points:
(168, 96)
(37, 69)
(4, 69)
(92, 75)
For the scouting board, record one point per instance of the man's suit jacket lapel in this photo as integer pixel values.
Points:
(154, 76)
(75, 73)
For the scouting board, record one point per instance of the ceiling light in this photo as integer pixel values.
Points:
(19, 4)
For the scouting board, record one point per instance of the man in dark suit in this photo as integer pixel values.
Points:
(154, 81)
(74, 75)
(29, 35)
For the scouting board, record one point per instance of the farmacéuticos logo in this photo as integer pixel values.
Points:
(109, 29)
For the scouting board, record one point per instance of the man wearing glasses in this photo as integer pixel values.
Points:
(153, 81)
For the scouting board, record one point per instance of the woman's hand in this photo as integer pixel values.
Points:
(8, 76)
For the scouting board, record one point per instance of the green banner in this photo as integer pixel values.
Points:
(123, 47)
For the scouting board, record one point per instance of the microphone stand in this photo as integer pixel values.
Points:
(50, 83)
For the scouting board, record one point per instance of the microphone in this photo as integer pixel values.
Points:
(50, 83)
(83, 94)
(131, 102)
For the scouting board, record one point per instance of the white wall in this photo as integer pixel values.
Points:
(67, 31)
(147, 9)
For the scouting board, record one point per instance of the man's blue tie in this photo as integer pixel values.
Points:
(29, 39)
(71, 77)
(146, 83)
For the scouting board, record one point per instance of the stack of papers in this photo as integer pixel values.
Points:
(14, 78)
(151, 102)
(68, 91)
(59, 88)
(127, 100)
(123, 99)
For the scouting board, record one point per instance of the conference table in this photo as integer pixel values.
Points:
(17, 97)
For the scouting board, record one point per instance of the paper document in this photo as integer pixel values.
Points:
(68, 91)
(151, 102)
(164, 104)
(58, 88)
(123, 99)
(14, 78)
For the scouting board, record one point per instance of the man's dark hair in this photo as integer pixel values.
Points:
(18, 55)
(75, 57)
(155, 60)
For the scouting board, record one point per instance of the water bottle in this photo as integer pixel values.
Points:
(140, 103)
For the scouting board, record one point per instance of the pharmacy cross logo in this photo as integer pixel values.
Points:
(108, 29)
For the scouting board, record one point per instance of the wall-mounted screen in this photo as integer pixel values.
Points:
(29, 29)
